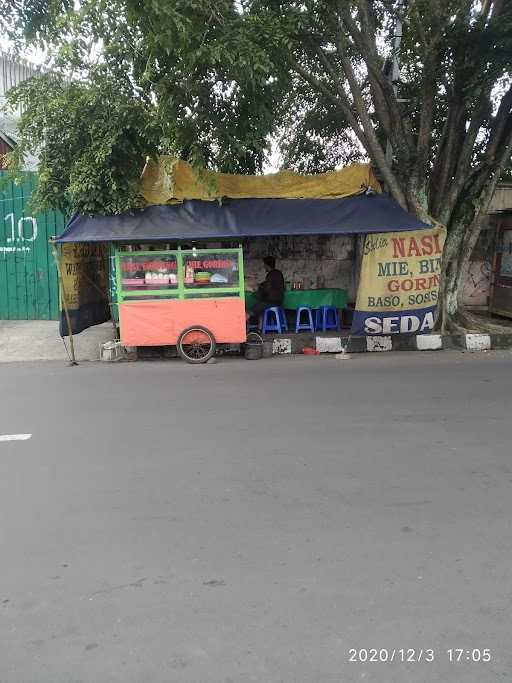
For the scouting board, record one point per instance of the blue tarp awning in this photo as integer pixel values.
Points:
(238, 218)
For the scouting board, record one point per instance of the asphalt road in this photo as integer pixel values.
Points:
(254, 521)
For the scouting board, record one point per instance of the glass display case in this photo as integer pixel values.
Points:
(193, 299)
(181, 274)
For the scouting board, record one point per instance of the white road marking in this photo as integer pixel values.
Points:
(15, 437)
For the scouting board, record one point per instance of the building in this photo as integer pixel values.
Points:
(7, 144)
(500, 295)
(12, 73)
(479, 289)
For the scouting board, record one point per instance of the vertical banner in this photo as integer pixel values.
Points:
(399, 284)
(84, 269)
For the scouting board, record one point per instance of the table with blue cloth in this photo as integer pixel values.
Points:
(312, 298)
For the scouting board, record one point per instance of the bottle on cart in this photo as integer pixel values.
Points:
(189, 275)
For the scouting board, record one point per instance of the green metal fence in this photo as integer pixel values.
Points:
(28, 277)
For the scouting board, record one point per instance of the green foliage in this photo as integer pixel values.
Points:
(214, 80)
(313, 137)
(507, 173)
(92, 140)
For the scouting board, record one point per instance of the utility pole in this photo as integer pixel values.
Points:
(395, 75)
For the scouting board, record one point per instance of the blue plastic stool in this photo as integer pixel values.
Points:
(309, 324)
(279, 323)
(327, 318)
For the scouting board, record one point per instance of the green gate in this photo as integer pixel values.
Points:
(28, 277)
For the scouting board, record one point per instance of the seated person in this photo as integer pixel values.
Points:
(270, 291)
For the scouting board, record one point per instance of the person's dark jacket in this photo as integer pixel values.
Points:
(272, 290)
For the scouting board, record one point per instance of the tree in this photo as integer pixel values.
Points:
(213, 80)
(92, 140)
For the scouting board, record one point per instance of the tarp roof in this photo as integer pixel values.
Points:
(238, 218)
(168, 180)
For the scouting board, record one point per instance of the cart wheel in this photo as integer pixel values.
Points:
(196, 344)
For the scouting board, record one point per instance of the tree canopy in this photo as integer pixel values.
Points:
(214, 81)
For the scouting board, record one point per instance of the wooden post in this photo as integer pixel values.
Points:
(64, 301)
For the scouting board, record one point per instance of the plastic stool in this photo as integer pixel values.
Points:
(279, 324)
(282, 318)
(309, 324)
(327, 318)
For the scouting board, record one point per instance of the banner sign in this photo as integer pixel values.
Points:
(84, 269)
(399, 283)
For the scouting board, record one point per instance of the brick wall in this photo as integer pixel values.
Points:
(318, 261)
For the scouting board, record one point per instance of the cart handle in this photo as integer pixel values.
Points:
(255, 334)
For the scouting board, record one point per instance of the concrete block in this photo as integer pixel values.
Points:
(501, 341)
(429, 342)
(328, 344)
(379, 344)
(454, 341)
(356, 344)
(281, 346)
(403, 342)
(299, 341)
(478, 342)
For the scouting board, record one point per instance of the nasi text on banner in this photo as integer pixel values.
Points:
(399, 283)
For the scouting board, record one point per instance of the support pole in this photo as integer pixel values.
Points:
(395, 75)
(64, 302)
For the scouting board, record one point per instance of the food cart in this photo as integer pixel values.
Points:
(194, 299)
(189, 298)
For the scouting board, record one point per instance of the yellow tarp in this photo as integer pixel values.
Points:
(171, 180)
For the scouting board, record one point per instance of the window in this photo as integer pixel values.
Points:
(506, 254)
(207, 271)
(182, 274)
(149, 272)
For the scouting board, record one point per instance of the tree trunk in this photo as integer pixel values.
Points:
(460, 242)
(452, 317)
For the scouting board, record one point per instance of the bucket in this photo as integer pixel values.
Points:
(253, 350)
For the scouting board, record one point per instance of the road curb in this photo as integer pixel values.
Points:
(283, 344)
